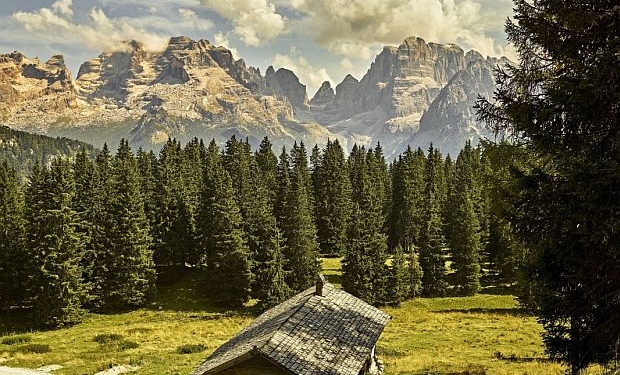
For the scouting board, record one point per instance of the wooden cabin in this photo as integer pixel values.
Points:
(320, 331)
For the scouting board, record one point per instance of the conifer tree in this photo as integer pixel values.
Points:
(561, 100)
(406, 212)
(365, 272)
(332, 191)
(82, 203)
(192, 169)
(432, 241)
(268, 165)
(265, 241)
(98, 254)
(399, 279)
(465, 228)
(283, 172)
(299, 231)
(55, 283)
(236, 161)
(415, 274)
(173, 231)
(147, 169)
(130, 280)
(227, 254)
(12, 252)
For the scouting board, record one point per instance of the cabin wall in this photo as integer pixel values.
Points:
(254, 366)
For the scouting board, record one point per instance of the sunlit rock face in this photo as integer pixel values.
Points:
(416, 93)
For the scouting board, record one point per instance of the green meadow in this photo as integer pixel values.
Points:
(484, 334)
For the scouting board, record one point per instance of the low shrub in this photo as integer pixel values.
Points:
(107, 338)
(33, 348)
(125, 345)
(19, 339)
(191, 348)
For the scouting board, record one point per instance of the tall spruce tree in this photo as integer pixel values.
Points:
(399, 279)
(55, 286)
(562, 101)
(130, 277)
(432, 241)
(265, 243)
(98, 253)
(332, 192)
(465, 228)
(365, 272)
(301, 246)
(192, 169)
(227, 254)
(12, 252)
(173, 230)
(268, 166)
(406, 211)
(82, 203)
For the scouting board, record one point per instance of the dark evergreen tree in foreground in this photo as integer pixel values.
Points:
(55, 278)
(562, 101)
(432, 242)
(12, 272)
(464, 226)
(130, 276)
(364, 269)
(226, 252)
(265, 243)
(332, 192)
(301, 248)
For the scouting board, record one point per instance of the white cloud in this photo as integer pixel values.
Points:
(187, 14)
(255, 22)
(354, 28)
(221, 39)
(346, 64)
(63, 7)
(307, 74)
(55, 24)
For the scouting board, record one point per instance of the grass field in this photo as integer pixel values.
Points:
(484, 334)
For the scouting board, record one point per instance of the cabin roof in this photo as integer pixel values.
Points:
(309, 334)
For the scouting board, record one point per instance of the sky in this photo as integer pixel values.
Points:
(320, 40)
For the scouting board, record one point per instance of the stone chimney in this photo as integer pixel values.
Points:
(320, 282)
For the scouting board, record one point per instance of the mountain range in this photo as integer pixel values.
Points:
(417, 93)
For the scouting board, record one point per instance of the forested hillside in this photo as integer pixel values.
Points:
(99, 232)
(22, 150)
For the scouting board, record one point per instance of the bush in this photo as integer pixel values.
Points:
(108, 338)
(115, 341)
(191, 348)
(33, 348)
(19, 339)
(124, 345)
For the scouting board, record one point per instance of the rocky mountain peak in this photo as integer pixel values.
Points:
(32, 86)
(323, 95)
(285, 84)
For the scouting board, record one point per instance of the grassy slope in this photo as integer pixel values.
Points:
(425, 336)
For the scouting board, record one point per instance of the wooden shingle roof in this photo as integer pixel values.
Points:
(332, 334)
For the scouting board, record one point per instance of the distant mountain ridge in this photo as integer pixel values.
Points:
(415, 94)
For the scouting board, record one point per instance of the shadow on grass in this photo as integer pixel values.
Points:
(518, 312)
(334, 279)
(16, 321)
(188, 292)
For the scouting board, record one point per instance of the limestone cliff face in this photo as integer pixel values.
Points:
(285, 84)
(29, 87)
(450, 119)
(415, 93)
(323, 95)
(387, 104)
